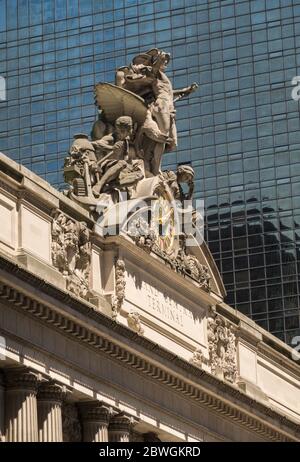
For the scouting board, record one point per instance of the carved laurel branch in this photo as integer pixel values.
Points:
(120, 285)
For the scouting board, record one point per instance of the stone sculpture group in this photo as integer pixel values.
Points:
(136, 126)
(122, 162)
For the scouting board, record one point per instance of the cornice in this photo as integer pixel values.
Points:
(76, 212)
(273, 348)
(9, 187)
(27, 197)
(35, 191)
(227, 406)
(278, 359)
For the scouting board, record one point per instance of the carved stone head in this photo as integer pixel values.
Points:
(123, 127)
(81, 144)
(185, 174)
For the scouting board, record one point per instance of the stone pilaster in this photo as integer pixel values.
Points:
(119, 429)
(20, 405)
(49, 402)
(95, 419)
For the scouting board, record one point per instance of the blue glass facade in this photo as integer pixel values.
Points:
(240, 130)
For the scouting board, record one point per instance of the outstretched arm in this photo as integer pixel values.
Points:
(178, 94)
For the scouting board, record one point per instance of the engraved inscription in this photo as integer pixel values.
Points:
(166, 306)
(163, 306)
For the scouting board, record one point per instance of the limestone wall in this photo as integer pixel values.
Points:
(136, 290)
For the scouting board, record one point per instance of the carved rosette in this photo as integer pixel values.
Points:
(222, 348)
(71, 253)
(134, 322)
(120, 284)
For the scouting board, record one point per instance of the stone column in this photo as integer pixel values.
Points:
(20, 406)
(95, 419)
(49, 402)
(119, 429)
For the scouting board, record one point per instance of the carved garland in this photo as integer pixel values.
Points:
(120, 284)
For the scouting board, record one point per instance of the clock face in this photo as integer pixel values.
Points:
(163, 223)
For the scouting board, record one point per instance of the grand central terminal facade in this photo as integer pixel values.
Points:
(147, 355)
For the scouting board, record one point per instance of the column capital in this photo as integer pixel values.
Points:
(51, 391)
(121, 422)
(21, 405)
(17, 378)
(95, 411)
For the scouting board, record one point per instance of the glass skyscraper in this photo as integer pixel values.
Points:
(240, 130)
